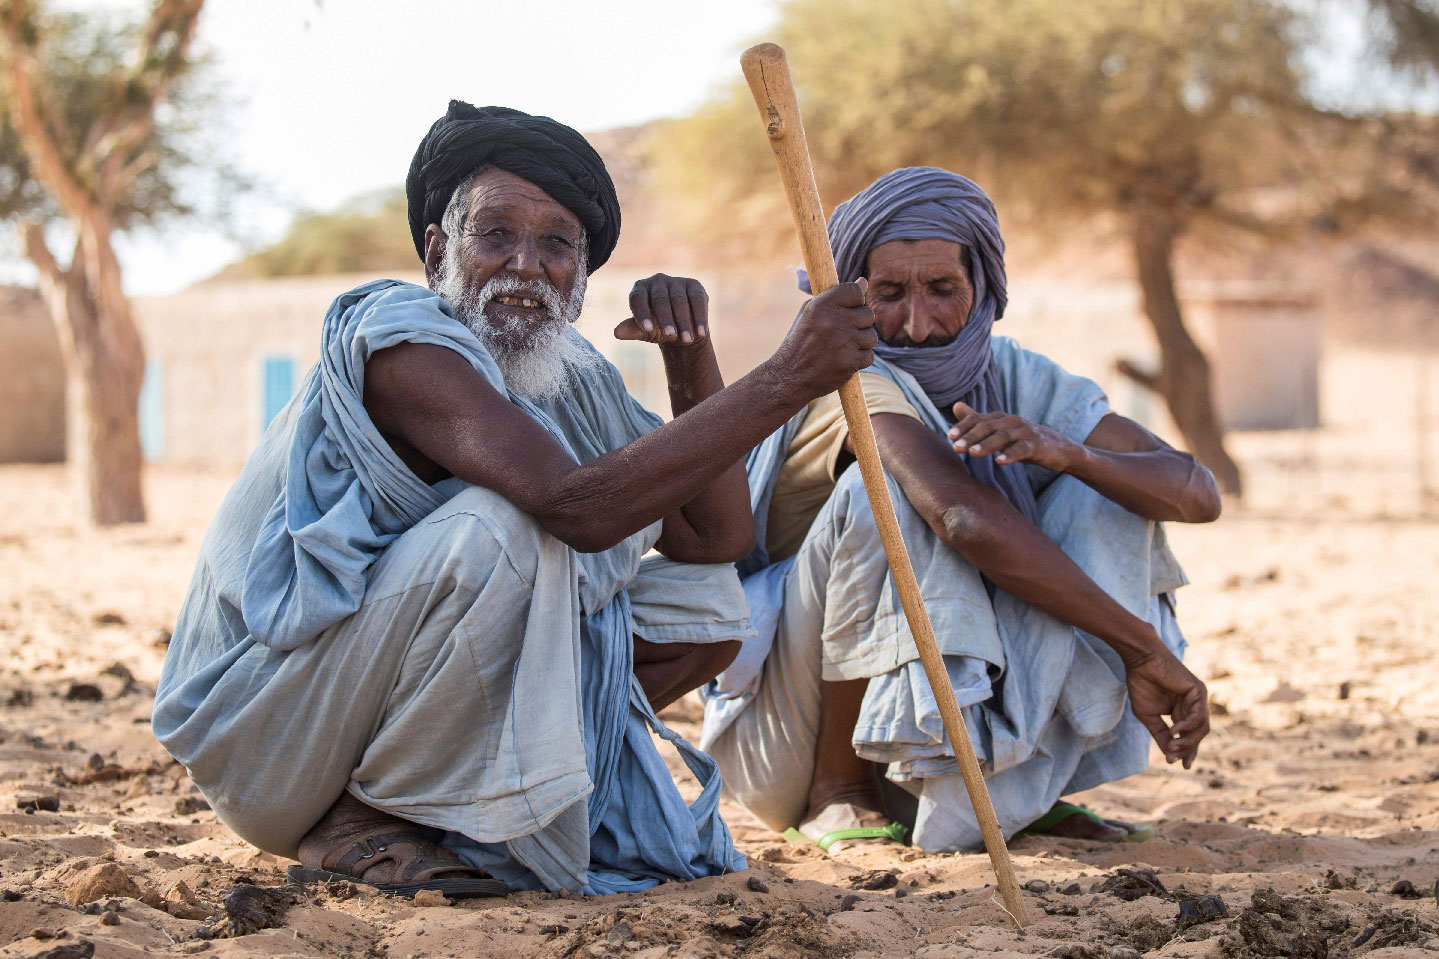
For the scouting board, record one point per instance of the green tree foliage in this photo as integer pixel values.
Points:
(1408, 34)
(96, 135)
(368, 235)
(86, 61)
(1168, 116)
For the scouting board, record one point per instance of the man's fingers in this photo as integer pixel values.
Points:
(963, 424)
(971, 441)
(1189, 755)
(660, 308)
(699, 302)
(1191, 724)
(679, 302)
(640, 307)
(1160, 731)
(629, 329)
(847, 294)
(1016, 452)
(976, 427)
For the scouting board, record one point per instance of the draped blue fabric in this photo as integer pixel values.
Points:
(927, 203)
(346, 496)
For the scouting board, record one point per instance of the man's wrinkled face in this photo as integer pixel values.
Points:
(514, 273)
(517, 259)
(920, 291)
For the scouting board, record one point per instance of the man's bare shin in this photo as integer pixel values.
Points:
(839, 774)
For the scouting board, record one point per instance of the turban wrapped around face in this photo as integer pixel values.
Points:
(927, 203)
(547, 153)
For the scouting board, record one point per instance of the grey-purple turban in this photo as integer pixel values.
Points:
(927, 203)
(546, 152)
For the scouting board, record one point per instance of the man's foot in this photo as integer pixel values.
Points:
(832, 827)
(357, 842)
(1069, 821)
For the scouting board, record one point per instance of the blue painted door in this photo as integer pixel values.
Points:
(278, 387)
(152, 411)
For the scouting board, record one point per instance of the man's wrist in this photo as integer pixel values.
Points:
(686, 355)
(692, 373)
(1073, 457)
(776, 385)
(1138, 646)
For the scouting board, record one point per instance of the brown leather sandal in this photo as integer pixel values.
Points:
(425, 866)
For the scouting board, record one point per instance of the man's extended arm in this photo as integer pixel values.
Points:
(431, 400)
(1120, 459)
(716, 525)
(1019, 558)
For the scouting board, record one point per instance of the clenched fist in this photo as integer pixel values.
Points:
(832, 339)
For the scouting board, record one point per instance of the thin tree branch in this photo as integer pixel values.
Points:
(1131, 370)
(22, 69)
(163, 59)
(54, 284)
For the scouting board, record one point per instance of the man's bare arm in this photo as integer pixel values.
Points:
(429, 399)
(1120, 459)
(716, 525)
(1017, 556)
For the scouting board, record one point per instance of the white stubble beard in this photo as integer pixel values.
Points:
(538, 360)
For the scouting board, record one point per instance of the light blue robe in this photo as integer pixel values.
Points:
(1046, 704)
(430, 648)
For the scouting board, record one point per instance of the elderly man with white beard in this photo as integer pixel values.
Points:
(426, 636)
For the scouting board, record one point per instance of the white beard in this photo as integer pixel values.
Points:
(538, 360)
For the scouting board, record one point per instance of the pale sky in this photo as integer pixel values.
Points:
(333, 96)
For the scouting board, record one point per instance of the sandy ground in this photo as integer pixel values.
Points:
(1313, 814)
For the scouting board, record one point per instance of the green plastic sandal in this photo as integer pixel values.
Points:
(894, 832)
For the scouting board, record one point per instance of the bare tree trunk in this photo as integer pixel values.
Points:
(105, 360)
(1183, 378)
(105, 365)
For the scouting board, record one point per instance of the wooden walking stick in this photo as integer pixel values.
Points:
(767, 72)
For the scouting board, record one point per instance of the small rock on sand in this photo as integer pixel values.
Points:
(248, 909)
(1200, 909)
(99, 881)
(38, 804)
(756, 884)
(189, 805)
(1132, 884)
(82, 949)
(875, 880)
(84, 693)
(731, 926)
(431, 897)
(1405, 889)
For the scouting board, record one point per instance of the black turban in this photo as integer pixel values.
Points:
(547, 153)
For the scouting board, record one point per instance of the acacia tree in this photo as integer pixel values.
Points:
(82, 147)
(1166, 118)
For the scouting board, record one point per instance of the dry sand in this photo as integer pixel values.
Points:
(1312, 616)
